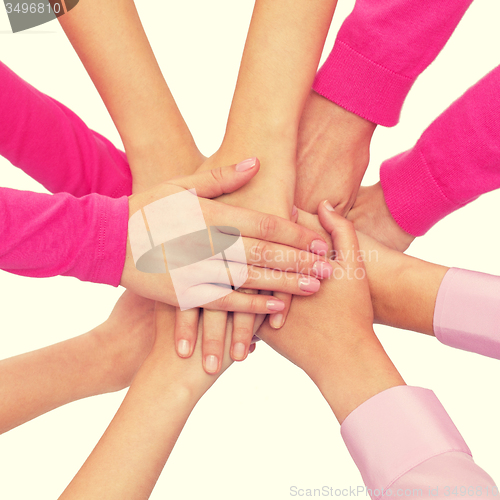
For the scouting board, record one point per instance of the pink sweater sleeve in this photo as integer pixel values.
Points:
(54, 146)
(402, 438)
(467, 312)
(455, 160)
(45, 235)
(381, 49)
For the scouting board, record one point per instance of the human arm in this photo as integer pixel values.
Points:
(97, 362)
(110, 40)
(454, 162)
(391, 430)
(130, 456)
(379, 52)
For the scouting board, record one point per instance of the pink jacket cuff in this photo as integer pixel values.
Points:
(395, 431)
(467, 312)
(412, 194)
(361, 86)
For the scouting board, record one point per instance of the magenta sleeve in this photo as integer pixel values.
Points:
(394, 433)
(381, 49)
(455, 160)
(54, 146)
(50, 235)
(467, 312)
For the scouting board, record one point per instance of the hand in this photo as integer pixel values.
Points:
(333, 154)
(252, 226)
(330, 336)
(371, 216)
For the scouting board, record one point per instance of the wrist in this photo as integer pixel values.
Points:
(354, 374)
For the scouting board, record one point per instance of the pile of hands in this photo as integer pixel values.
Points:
(299, 234)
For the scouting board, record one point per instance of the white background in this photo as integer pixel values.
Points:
(263, 427)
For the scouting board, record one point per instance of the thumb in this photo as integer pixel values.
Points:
(219, 181)
(344, 240)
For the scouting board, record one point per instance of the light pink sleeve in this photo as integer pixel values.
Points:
(467, 312)
(45, 235)
(394, 436)
(455, 160)
(381, 49)
(54, 146)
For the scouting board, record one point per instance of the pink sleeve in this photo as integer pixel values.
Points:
(395, 433)
(51, 144)
(45, 235)
(381, 49)
(455, 160)
(467, 312)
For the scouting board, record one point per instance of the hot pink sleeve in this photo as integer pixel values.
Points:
(395, 435)
(467, 312)
(381, 49)
(45, 235)
(54, 146)
(455, 160)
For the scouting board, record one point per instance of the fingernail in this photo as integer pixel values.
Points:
(183, 347)
(252, 348)
(323, 269)
(275, 305)
(276, 320)
(319, 247)
(294, 210)
(245, 165)
(211, 364)
(239, 351)
(309, 284)
(328, 206)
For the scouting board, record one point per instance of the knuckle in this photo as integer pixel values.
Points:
(267, 226)
(242, 333)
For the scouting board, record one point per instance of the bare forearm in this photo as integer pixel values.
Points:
(279, 63)
(110, 41)
(130, 456)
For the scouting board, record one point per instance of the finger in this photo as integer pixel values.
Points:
(186, 331)
(242, 302)
(242, 335)
(277, 320)
(259, 278)
(344, 239)
(263, 253)
(262, 226)
(216, 182)
(214, 334)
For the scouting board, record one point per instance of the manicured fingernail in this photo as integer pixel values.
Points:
(211, 364)
(294, 210)
(309, 284)
(276, 320)
(323, 269)
(319, 247)
(239, 351)
(252, 348)
(328, 206)
(275, 305)
(183, 347)
(245, 165)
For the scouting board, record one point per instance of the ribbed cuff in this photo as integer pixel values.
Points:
(361, 86)
(467, 312)
(102, 252)
(412, 194)
(395, 431)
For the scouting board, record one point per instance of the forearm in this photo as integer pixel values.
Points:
(110, 41)
(403, 288)
(279, 62)
(130, 456)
